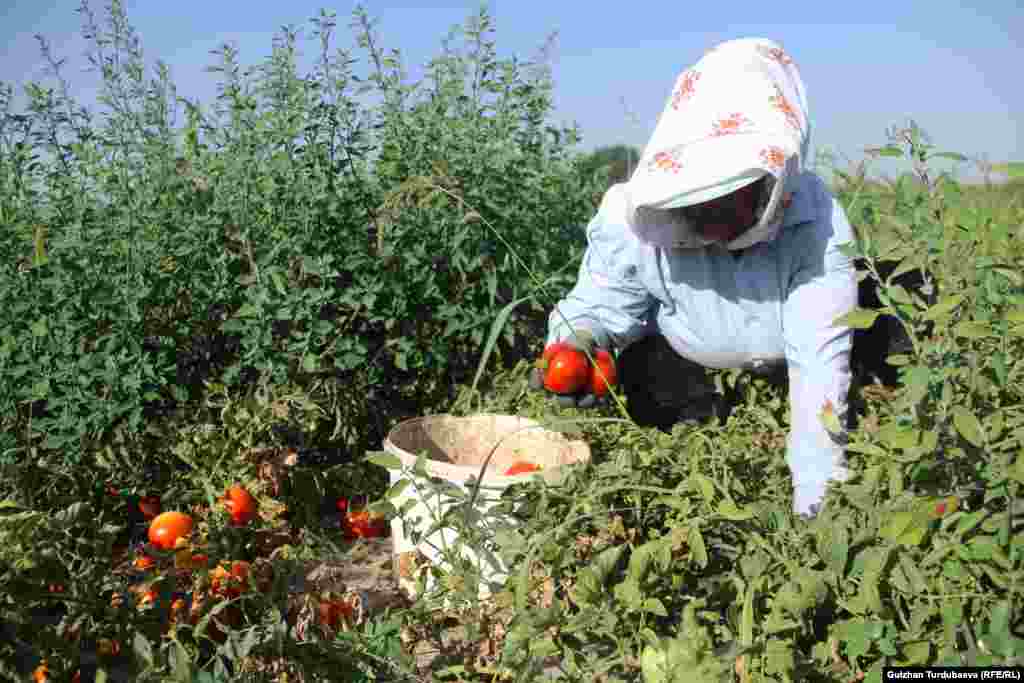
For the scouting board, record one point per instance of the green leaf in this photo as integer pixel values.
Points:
(968, 426)
(747, 616)
(654, 664)
(247, 310)
(384, 459)
(703, 485)
(858, 319)
(143, 649)
(698, 551)
(916, 654)
(839, 550)
(889, 151)
(730, 511)
(867, 449)
(944, 306)
(279, 283)
(1014, 276)
(310, 363)
(973, 329)
(905, 528)
(398, 487)
(492, 337)
(1016, 471)
(955, 156)
(655, 606)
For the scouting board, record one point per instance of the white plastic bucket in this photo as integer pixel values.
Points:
(456, 447)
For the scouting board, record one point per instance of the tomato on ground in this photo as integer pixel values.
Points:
(230, 581)
(332, 612)
(240, 504)
(363, 524)
(143, 562)
(167, 527)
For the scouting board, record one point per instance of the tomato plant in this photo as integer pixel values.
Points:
(240, 503)
(167, 527)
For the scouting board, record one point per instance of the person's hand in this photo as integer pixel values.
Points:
(583, 341)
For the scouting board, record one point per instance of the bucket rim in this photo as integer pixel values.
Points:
(490, 476)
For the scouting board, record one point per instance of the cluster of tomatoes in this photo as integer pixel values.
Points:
(567, 370)
(357, 523)
(174, 581)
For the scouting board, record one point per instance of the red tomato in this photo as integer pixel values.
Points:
(342, 504)
(167, 527)
(230, 582)
(178, 609)
(149, 506)
(240, 504)
(143, 562)
(332, 613)
(567, 371)
(603, 361)
(363, 524)
(945, 507)
(552, 349)
(521, 467)
(41, 673)
(148, 598)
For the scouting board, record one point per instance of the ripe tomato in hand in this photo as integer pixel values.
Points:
(557, 347)
(567, 371)
(604, 362)
(240, 504)
(167, 527)
(521, 467)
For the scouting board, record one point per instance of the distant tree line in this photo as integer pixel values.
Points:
(618, 161)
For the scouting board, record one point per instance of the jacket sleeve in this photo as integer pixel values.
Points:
(822, 287)
(609, 298)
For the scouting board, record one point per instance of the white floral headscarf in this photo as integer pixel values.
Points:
(737, 115)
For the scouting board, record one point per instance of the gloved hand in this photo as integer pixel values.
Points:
(582, 340)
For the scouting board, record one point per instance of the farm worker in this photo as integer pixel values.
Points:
(722, 251)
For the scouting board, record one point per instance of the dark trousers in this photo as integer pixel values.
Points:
(662, 388)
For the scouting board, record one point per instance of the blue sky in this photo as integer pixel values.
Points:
(867, 65)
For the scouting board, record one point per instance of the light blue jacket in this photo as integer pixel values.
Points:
(775, 303)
